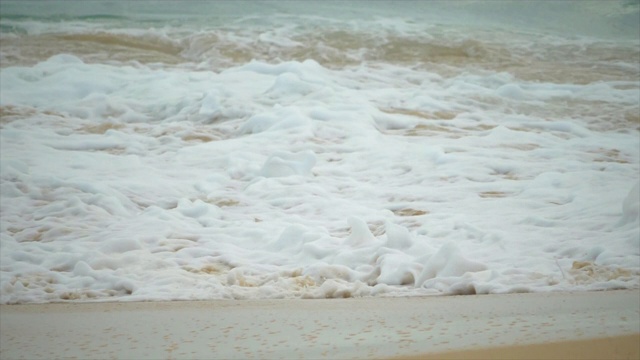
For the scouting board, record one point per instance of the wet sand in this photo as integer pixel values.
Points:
(517, 326)
(619, 347)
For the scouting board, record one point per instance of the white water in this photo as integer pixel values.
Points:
(279, 150)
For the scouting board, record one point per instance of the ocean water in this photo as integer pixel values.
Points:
(163, 150)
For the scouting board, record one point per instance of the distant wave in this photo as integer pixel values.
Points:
(59, 17)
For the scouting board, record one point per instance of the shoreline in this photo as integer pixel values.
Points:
(443, 327)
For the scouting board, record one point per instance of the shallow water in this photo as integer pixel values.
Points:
(163, 150)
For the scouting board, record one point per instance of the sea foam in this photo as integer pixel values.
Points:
(269, 157)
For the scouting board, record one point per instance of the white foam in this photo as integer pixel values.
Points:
(631, 206)
(287, 164)
(303, 177)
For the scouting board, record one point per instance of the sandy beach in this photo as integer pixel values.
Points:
(534, 325)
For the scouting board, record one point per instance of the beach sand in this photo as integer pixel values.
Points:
(516, 326)
(619, 347)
